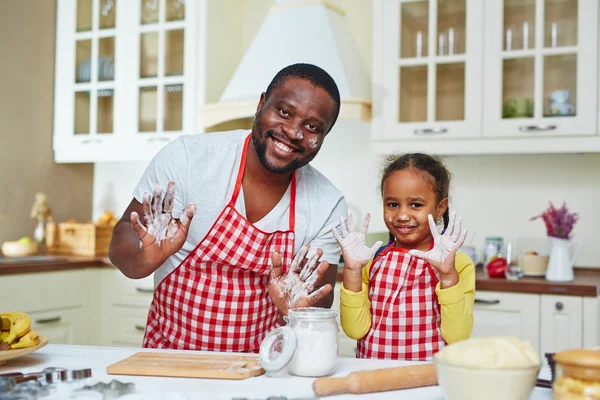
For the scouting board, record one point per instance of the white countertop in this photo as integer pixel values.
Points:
(98, 358)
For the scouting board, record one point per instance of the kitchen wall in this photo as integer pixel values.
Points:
(26, 108)
(496, 195)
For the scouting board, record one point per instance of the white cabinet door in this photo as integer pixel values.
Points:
(89, 83)
(561, 323)
(540, 68)
(162, 71)
(427, 69)
(507, 314)
(61, 326)
(126, 327)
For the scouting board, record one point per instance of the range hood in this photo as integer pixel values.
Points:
(307, 31)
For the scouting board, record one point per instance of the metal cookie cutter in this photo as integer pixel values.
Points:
(50, 375)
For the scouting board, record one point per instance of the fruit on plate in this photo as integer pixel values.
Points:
(16, 330)
(25, 240)
(18, 248)
(30, 339)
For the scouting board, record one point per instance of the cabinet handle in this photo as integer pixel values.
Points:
(142, 290)
(559, 306)
(487, 302)
(537, 128)
(430, 131)
(88, 141)
(158, 139)
(47, 320)
(140, 328)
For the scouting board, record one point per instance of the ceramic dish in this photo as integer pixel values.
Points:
(16, 353)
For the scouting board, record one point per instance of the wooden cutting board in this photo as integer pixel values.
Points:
(186, 365)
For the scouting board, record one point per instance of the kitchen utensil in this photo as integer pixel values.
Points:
(185, 365)
(11, 354)
(378, 380)
(50, 375)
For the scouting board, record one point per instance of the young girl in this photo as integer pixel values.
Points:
(417, 293)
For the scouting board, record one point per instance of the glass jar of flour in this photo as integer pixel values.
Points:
(307, 346)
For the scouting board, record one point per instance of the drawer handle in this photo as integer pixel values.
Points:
(140, 328)
(48, 320)
(487, 302)
(427, 131)
(90, 141)
(158, 139)
(537, 128)
(142, 290)
(559, 306)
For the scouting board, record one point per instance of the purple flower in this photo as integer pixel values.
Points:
(559, 221)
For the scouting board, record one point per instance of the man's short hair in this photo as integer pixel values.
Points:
(315, 75)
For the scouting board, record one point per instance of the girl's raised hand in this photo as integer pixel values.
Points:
(441, 256)
(354, 249)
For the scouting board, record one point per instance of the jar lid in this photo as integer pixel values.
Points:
(311, 313)
(277, 349)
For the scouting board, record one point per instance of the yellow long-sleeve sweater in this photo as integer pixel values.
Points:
(456, 304)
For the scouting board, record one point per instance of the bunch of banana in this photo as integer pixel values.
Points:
(16, 331)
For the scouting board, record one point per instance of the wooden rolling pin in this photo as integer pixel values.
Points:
(378, 380)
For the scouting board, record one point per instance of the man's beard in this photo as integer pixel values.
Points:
(261, 151)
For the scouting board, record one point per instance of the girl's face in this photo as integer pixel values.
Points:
(408, 197)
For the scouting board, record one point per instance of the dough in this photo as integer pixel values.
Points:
(498, 352)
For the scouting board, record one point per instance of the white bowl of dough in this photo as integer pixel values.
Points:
(491, 368)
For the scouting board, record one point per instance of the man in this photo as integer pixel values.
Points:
(226, 273)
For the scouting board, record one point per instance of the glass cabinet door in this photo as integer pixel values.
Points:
(164, 69)
(434, 68)
(535, 80)
(93, 77)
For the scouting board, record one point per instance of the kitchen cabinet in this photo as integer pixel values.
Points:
(507, 314)
(561, 323)
(125, 304)
(541, 68)
(550, 323)
(428, 62)
(131, 75)
(62, 326)
(62, 313)
(496, 77)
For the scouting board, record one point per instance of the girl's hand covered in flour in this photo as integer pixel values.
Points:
(296, 288)
(441, 256)
(354, 249)
(160, 234)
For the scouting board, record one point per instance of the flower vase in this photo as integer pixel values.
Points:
(560, 264)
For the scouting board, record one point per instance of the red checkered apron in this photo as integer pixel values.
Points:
(217, 298)
(405, 313)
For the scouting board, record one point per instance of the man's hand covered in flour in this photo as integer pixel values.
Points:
(354, 248)
(160, 234)
(445, 246)
(296, 288)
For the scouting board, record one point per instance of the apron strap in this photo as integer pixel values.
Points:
(240, 177)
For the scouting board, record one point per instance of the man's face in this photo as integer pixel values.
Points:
(291, 124)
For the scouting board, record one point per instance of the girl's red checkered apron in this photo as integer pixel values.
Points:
(217, 298)
(405, 312)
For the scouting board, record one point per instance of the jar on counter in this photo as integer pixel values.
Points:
(307, 346)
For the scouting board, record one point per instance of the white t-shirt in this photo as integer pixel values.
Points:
(204, 168)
